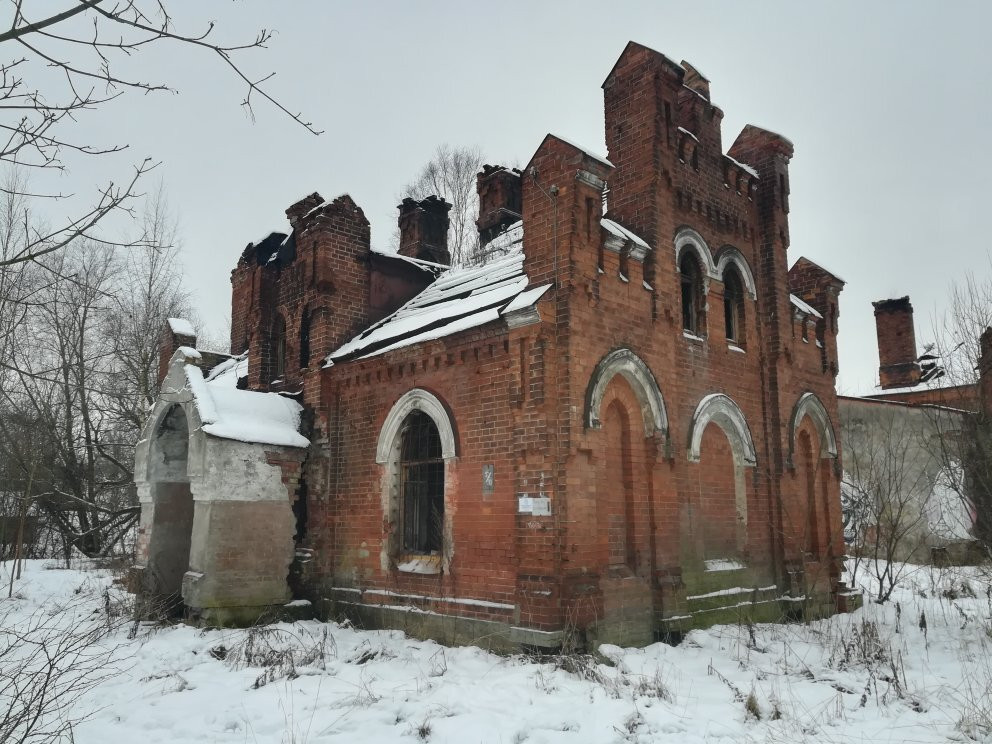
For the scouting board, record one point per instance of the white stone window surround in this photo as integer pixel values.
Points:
(721, 410)
(388, 455)
(809, 404)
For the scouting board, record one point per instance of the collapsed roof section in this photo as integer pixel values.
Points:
(460, 299)
(227, 412)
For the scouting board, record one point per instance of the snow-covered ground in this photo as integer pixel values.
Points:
(918, 669)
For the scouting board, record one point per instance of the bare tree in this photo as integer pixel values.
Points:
(450, 174)
(149, 290)
(63, 362)
(964, 444)
(61, 65)
(80, 372)
(889, 472)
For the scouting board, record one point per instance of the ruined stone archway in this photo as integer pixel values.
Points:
(217, 525)
(171, 526)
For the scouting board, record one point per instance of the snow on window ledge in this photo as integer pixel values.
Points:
(623, 278)
(420, 564)
(693, 337)
(735, 347)
(723, 564)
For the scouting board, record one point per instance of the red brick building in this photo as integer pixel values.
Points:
(621, 425)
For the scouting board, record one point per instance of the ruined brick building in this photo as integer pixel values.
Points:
(916, 444)
(622, 424)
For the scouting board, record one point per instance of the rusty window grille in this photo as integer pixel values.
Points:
(422, 470)
(693, 299)
(733, 306)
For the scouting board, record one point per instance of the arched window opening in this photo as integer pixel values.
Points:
(278, 346)
(422, 479)
(305, 341)
(693, 299)
(733, 305)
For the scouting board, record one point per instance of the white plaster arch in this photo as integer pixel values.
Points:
(810, 405)
(175, 392)
(687, 238)
(721, 410)
(634, 370)
(729, 255)
(417, 399)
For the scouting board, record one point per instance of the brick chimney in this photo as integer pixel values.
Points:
(424, 229)
(499, 200)
(897, 365)
(175, 333)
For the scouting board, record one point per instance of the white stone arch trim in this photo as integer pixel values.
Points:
(417, 399)
(809, 404)
(175, 391)
(638, 375)
(721, 410)
(729, 255)
(688, 239)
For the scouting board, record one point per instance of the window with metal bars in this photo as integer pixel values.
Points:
(733, 305)
(422, 473)
(693, 299)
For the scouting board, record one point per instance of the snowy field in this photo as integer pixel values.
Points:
(918, 669)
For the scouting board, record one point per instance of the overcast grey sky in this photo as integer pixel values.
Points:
(889, 106)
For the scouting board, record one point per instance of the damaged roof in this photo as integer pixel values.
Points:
(460, 299)
(228, 412)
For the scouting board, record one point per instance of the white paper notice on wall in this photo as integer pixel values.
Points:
(525, 505)
(541, 507)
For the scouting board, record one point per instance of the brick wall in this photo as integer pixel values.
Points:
(628, 505)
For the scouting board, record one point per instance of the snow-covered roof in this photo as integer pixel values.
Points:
(803, 307)
(229, 371)
(742, 166)
(622, 232)
(181, 327)
(819, 266)
(243, 415)
(460, 299)
(434, 268)
(587, 151)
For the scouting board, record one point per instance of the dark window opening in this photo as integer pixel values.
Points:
(733, 305)
(422, 471)
(305, 341)
(278, 342)
(693, 309)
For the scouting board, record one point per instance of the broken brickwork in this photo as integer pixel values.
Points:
(614, 468)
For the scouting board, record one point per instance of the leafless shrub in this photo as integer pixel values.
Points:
(278, 651)
(48, 662)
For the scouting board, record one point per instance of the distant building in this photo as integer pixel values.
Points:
(621, 426)
(901, 445)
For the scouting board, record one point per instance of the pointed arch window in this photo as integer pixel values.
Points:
(278, 346)
(693, 298)
(733, 305)
(422, 474)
